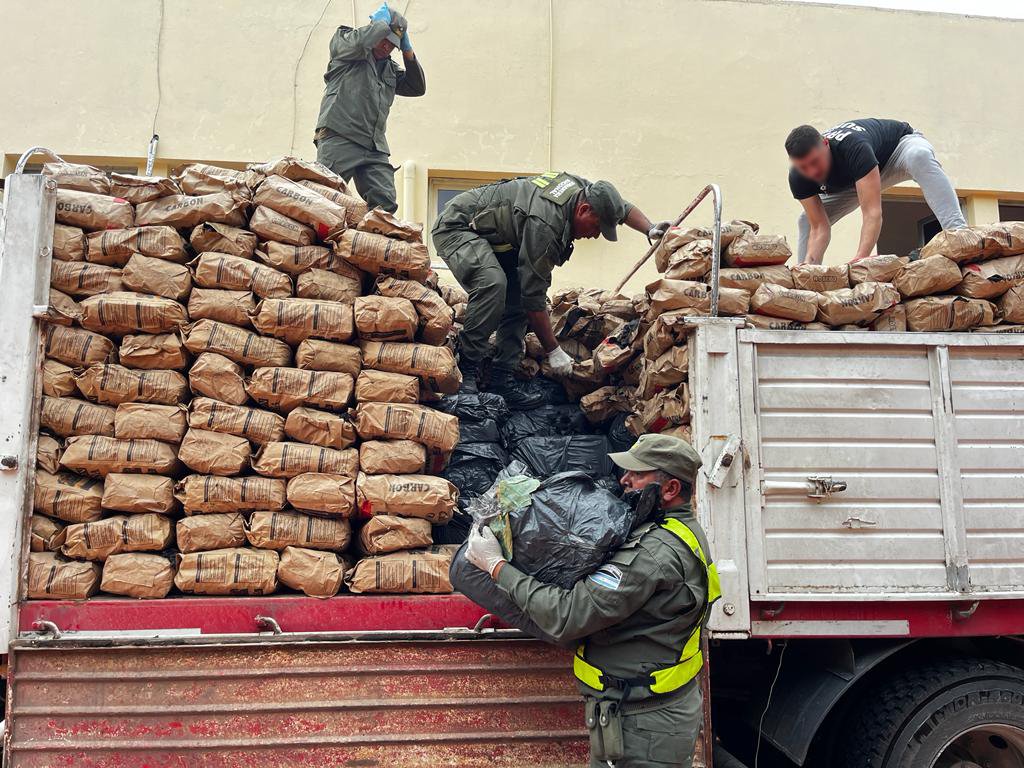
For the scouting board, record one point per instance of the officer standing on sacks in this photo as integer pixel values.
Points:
(501, 242)
(638, 618)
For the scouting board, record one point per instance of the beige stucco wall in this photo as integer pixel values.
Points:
(660, 97)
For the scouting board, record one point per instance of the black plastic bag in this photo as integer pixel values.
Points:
(483, 431)
(553, 391)
(473, 467)
(571, 526)
(619, 436)
(547, 456)
(455, 530)
(545, 421)
(478, 407)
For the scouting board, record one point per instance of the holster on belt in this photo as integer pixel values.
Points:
(604, 724)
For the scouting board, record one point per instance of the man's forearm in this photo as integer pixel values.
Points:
(817, 244)
(540, 323)
(870, 228)
(636, 219)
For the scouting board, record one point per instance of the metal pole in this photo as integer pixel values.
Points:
(27, 154)
(151, 153)
(716, 243)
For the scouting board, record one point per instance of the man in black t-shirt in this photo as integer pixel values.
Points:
(848, 167)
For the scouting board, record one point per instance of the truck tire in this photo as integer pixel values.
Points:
(952, 713)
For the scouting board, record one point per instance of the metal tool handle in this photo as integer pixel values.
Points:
(27, 155)
(716, 242)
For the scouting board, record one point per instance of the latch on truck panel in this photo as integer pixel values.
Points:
(814, 487)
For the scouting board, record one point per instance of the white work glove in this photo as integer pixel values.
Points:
(658, 231)
(483, 549)
(560, 362)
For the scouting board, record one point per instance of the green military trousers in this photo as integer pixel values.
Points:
(663, 738)
(494, 298)
(370, 170)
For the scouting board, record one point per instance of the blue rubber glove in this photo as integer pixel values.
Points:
(382, 14)
(406, 42)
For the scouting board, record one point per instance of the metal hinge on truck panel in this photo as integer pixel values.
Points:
(817, 487)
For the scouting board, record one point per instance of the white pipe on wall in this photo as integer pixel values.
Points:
(409, 192)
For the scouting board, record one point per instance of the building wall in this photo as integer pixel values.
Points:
(660, 97)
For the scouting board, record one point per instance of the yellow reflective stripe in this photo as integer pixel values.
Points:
(692, 644)
(672, 678)
(586, 672)
(545, 178)
(681, 530)
(501, 248)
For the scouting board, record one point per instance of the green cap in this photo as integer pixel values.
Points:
(398, 26)
(669, 454)
(608, 205)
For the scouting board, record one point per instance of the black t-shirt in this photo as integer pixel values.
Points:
(857, 147)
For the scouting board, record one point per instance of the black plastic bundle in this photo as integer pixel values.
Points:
(474, 466)
(546, 456)
(545, 421)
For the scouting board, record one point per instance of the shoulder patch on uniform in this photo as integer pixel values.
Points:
(558, 188)
(608, 576)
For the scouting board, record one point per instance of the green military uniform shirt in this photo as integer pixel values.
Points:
(529, 220)
(359, 89)
(636, 611)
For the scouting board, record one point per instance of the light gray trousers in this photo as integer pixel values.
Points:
(914, 159)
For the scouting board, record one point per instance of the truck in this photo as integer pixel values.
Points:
(864, 498)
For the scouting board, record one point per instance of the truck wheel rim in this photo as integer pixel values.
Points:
(986, 746)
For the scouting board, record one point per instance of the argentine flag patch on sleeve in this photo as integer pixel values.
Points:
(607, 576)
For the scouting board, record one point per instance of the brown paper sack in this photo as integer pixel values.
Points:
(980, 242)
(381, 222)
(380, 318)
(141, 189)
(384, 387)
(1011, 304)
(236, 344)
(737, 228)
(233, 571)
(93, 212)
(277, 530)
(223, 238)
(288, 388)
(295, 320)
(392, 457)
(927, 276)
(46, 535)
(876, 269)
(216, 376)
(85, 178)
(232, 307)
(311, 571)
(424, 496)
(757, 251)
(320, 355)
(820, 277)
(114, 384)
(355, 208)
(233, 273)
(250, 423)
(668, 295)
(674, 239)
(389, 533)
(146, 274)
(282, 459)
(991, 278)
(666, 409)
(410, 422)
(80, 278)
(297, 169)
(67, 496)
(67, 416)
(300, 203)
(380, 255)
(127, 312)
(116, 246)
(435, 366)
(690, 262)
(213, 531)
(186, 211)
(779, 324)
(138, 575)
(55, 577)
(667, 330)
(139, 493)
(58, 379)
(201, 494)
(860, 304)
(62, 310)
(435, 316)
(154, 351)
(202, 179)
(323, 493)
(97, 456)
(328, 286)
(308, 425)
(999, 329)
(214, 453)
(69, 243)
(274, 226)
(413, 572)
(453, 294)
(100, 539)
(787, 303)
(892, 320)
(48, 452)
(669, 369)
(947, 313)
(604, 403)
(296, 259)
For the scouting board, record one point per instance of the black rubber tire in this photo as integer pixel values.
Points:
(909, 718)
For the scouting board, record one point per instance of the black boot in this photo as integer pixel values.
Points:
(470, 372)
(519, 395)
